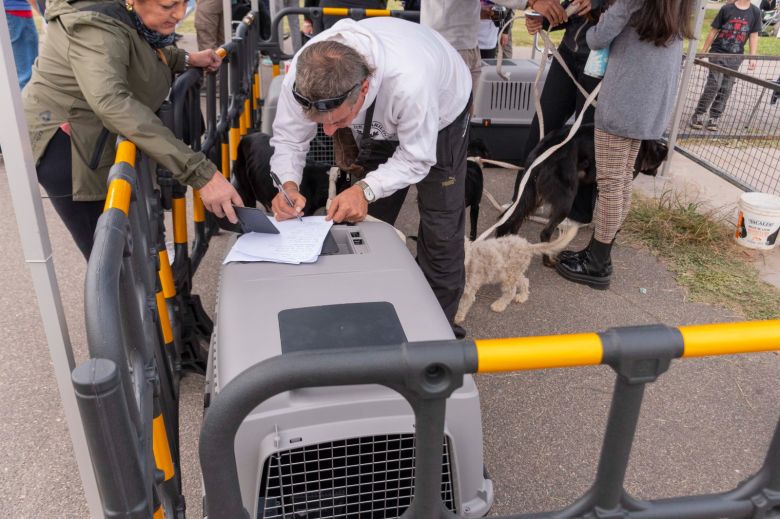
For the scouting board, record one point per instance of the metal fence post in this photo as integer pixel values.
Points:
(684, 82)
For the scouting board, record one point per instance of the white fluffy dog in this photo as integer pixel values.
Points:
(504, 260)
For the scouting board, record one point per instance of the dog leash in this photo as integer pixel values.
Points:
(590, 99)
(541, 158)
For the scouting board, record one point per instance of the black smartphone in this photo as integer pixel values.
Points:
(250, 219)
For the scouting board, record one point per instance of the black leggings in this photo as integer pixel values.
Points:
(559, 100)
(55, 175)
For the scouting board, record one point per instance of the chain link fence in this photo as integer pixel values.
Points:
(731, 119)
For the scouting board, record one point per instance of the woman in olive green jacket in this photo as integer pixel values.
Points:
(104, 70)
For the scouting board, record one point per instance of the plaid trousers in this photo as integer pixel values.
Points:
(615, 157)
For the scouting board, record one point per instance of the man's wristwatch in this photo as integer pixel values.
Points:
(186, 60)
(367, 191)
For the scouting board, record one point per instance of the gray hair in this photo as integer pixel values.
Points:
(327, 69)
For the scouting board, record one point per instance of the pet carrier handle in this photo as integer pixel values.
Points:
(585, 349)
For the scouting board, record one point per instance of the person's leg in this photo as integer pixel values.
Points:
(722, 96)
(488, 53)
(441, 201)
(506, 48)
(588, 83)
(593, 266)
(612, 154)
(388, 208)
(705, 100)
(208, 24)
(628, 178)
(55, 176)
(558, 100)
(474, 62)
(585, 199)
(24, 41)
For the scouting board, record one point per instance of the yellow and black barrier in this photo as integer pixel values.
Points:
(272, 46)
(131, 381)
(587, 349)
(427, 373)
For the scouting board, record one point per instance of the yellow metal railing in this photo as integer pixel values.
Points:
(586, 349)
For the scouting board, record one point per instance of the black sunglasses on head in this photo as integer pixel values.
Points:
(322, 105)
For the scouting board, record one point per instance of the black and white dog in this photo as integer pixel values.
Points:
(556, 180)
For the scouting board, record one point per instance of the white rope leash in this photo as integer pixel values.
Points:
(541, 158)
(549, 48)
(482, 161)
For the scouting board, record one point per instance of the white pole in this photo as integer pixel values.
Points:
(227, 20)
(684, 82)
(22, 180)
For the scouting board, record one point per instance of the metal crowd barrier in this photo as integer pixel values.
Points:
(232, 109)
(128, 391)
(232, 101)
(273, 48)
(143, 324)
(744, 148)
(427, 373)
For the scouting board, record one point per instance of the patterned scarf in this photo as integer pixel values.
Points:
(153, 38)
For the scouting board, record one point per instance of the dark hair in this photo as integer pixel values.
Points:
(663, 21)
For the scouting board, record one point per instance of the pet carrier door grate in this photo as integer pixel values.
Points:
(510, 96)
(370, 477)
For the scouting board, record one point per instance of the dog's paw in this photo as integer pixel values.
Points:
(549, 261)
(521, 298)
(498, 306)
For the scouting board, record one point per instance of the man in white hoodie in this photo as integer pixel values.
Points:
(395, 96)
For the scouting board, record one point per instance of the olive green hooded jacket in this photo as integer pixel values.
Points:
(94, 71)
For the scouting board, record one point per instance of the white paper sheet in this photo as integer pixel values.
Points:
(297, 242)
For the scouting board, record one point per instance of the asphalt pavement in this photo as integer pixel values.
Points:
(704, 427)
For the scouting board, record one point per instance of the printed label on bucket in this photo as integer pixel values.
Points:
(756, 231)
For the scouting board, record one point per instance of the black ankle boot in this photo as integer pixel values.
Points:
(591, 266)
(580, 255)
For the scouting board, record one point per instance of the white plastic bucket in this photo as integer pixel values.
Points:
(758, 220)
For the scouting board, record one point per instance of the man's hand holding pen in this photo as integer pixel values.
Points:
(282, 209)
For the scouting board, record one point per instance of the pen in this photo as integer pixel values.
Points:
(278, 184)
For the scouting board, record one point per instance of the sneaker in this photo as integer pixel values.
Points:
(696, 122)
(712, 125)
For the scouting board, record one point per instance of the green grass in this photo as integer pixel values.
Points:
(767, 45)
(698, 247)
